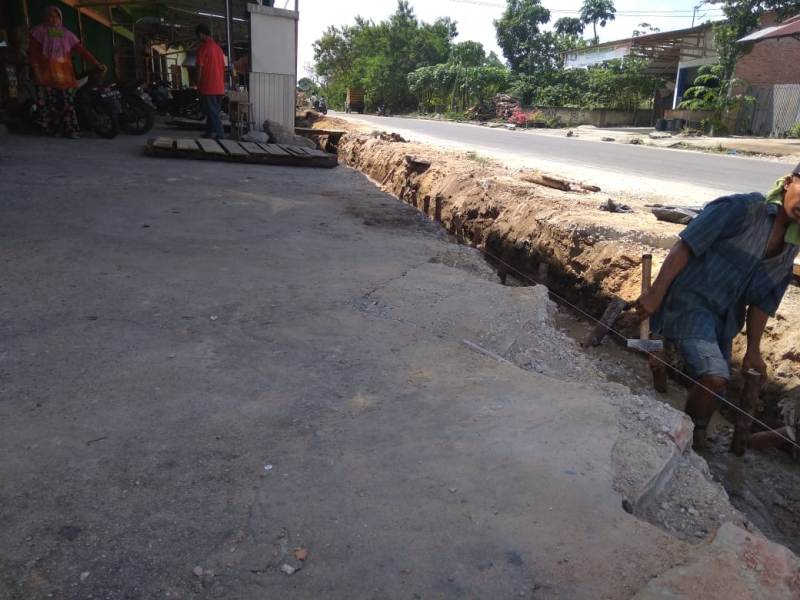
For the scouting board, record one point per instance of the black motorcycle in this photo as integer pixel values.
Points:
(98, 106)
(323, 107)
(160, 93)
(138, 114)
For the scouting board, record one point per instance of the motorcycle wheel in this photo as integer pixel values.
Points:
(136, 119)
(106, 122)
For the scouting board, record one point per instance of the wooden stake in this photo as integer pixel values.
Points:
(744, 419)
(613, 311)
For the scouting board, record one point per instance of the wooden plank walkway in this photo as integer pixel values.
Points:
(233, 151)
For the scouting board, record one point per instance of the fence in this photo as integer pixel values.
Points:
(776, 110)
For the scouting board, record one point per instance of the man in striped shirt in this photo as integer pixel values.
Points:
(731, 267)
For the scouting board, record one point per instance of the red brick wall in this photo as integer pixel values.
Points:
(770, 62)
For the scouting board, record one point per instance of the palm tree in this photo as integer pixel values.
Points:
(597, 11)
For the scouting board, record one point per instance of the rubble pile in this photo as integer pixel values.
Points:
(480, 112)
(505, 105)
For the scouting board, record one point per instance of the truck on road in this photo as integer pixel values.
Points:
(354, 101)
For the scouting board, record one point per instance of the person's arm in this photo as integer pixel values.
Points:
(676, 261)
(756, 323)
(80, 49)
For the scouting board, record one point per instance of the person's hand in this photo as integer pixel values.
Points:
(103, 68)
(752, 360)
(648, 304)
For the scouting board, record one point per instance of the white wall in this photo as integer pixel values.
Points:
(273, 74)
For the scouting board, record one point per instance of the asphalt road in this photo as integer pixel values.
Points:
(730, 173)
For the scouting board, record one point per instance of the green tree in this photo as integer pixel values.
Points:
(377, 57)
(519, 34)
(451, 87)
(468, 54)
(711, 91)
(597, 11)
(570, 26)
(308, 86)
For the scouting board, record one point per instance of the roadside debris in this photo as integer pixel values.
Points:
(635, 141)
(288, 569)
(612, 207)
(505, 105)
(570, 133)
(388, 137)
(659, 135)
(607, 139)
(278, 134)
(198, 571)
(301, 554)
(547, 180)
(674, 214)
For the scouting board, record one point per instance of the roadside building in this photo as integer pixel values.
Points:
(770, 70)
(150, 40)
(674, 55)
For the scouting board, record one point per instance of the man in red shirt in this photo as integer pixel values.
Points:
(210, 80)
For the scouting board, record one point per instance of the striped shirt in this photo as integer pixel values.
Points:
(727, 271)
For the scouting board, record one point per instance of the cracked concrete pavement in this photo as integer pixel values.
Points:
(207, 366)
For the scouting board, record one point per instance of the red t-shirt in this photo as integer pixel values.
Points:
(211, 62)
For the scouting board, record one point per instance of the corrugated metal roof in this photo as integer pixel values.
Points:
(787, 29)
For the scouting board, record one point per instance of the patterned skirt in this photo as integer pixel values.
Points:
(56, 111)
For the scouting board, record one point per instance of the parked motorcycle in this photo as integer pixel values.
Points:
(161, 95)
(98, 106)
(138, 110)
(323, 107)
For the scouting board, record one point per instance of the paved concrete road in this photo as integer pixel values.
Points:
(204, 366)
(723, 173)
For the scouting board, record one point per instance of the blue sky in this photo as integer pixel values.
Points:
(475, 19)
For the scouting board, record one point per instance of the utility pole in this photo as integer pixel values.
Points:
(694, 12)
(228, 28)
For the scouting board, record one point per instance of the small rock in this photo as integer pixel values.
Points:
(607, 139)
(288, 569)
(84, 575)
(301, 554)
(642, 416)
(570, 133)
(635, 141)
(198, 571)
(213, 317)
(693, 511)
(453, 490)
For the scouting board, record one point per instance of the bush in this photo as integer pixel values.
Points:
(794, 131)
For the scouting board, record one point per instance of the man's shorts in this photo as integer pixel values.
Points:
(704, 357)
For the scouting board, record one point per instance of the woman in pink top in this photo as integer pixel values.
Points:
(51, 48)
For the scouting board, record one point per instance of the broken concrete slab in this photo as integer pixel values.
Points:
(737, 564)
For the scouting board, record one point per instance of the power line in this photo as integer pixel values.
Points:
(622, 13)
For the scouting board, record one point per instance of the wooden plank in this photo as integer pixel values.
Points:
(233, 148)
(252, 148)
(210, 147)
(294, 150)
(163, 142)
(274, 149)
(186, 144)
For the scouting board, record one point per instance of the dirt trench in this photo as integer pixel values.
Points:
(591, 255)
